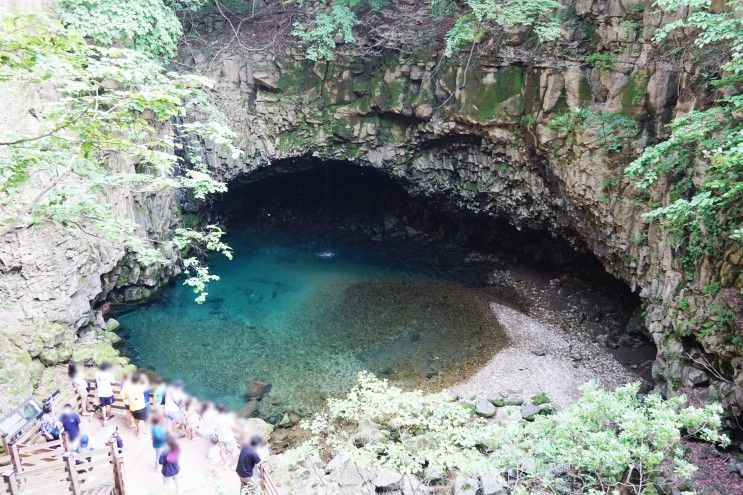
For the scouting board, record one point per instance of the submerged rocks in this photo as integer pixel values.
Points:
(289, 419)
(258, 389)
(250, 409)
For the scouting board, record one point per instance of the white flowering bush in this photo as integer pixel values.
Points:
(607, 441)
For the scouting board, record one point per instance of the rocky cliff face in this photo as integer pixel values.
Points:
(477, 131)
(53, 280)
(490, 132)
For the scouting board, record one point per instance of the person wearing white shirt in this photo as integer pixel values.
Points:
(175, 400)
(104, 389)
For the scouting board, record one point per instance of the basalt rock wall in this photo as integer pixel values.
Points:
(478, 132)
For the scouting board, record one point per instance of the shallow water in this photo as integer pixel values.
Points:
(307, 311)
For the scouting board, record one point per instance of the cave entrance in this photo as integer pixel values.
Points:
(339, 269)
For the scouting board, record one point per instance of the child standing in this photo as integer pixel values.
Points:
(216, 457)
(159, 436)
(134, 398)
(193, 418)
(159, 395)
(169, 462)
(80, 383)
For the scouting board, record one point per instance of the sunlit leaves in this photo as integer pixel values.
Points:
(484, 15)
(148, 26)
(328, 28)
(335, 23)
(106, 133)
(705, 145)
(608, 440)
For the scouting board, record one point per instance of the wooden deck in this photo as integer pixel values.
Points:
(37, 467)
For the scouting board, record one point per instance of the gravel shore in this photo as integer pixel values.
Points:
(542, 359)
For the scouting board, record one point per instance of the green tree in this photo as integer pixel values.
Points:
(482, 16)
(705, 149)
(329, 27)
(335, 23)
(606, 442)
(149, 26)
(112, 107)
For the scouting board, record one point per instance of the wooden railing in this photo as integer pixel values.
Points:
(90, 473)
(35, 466)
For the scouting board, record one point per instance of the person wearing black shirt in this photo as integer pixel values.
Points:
(246, 467)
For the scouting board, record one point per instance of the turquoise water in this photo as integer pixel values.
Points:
(307, 312)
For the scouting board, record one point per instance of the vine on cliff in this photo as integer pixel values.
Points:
(334, 24)
(704, 153)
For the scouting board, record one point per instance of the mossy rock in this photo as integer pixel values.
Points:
(83, 355)
(17, 371)
(539, 399)
(112, 325)
(491, 95)
(633, 94)
(469, 407)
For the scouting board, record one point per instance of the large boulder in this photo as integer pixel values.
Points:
(387, 479)
(464, 485)
(256, 426)
(484, 408)
(493, 484)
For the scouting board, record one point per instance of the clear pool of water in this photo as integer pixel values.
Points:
(306, 312)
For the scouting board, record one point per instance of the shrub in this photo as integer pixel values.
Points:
(613, 130)
(602, 61)
(148, 26)
(608, 440)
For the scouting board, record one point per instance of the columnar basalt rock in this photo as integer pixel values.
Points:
(473, 131)
(477, 133)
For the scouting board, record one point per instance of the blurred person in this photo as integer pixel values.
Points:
(216, 457)
(83, 447)
(224, 428)
(169, 460)
(49, 426)
(158, 395)
(246, 469)
(193, 418)
(104, 390)
(207, 424)
(70, 421)
(125, 384)
(134, 398)
(159, 436)
(81, 385)
(175, 398)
